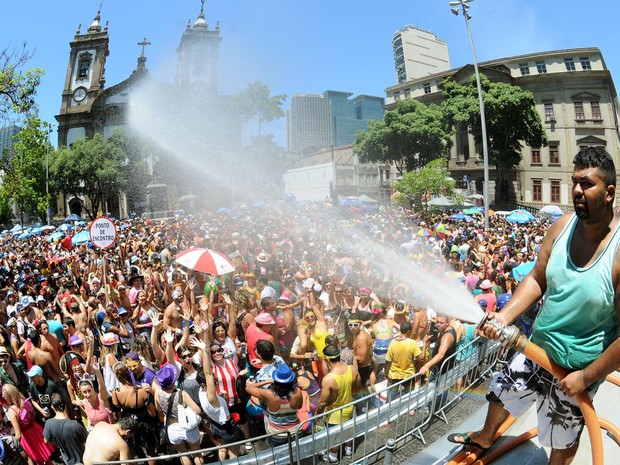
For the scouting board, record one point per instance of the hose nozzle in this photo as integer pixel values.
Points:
(509, 336)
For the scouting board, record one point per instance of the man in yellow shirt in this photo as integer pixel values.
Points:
(401, 357)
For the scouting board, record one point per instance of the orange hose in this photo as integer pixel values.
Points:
(536, 354)
(611, 428)
(613, 379)
(470, 453)
(501, 450)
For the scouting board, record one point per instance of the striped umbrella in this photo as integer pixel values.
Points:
(440, 231)
(205, 261)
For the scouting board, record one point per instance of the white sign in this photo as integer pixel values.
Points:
(103, 232)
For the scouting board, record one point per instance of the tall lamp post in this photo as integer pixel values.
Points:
(464, 7)
(47, 173)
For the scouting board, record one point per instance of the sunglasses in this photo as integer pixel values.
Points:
(354, 325)
(190, 355)
(4, 359)
(217, 351)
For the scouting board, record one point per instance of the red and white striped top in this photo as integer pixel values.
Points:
(227, 377)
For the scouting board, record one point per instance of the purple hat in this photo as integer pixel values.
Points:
(167, 375)
(75, 340)
(132, 356)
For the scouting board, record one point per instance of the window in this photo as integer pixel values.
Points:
(569, 63)
(407, 93)
(524, 68)
(439, 84)
(427, 87)
(537, 190)
(549, 114)
(579, 114)
(541, 67)
(585, 63)
(536, 156)
(396, 95)
(596, 110)
(554, 154)
(555, 191)
(84, 64)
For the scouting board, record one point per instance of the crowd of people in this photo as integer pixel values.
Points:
(108, 355)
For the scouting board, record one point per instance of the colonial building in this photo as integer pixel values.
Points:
(89, 107)
(577, 100)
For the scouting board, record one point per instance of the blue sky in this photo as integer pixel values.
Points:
(297, 46)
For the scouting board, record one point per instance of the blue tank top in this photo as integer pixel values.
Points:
(578, 317)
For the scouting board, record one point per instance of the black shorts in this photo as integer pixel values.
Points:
(365, 373)
(229, 432)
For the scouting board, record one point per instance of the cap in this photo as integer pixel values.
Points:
(12, 322)
(34, 371)
(167, 375)
(264, 319)
(283, 375)
(483, 303)
(502, 300)
(109, 339)
(40, 298)
(4, 351)
(132, 356)
(122, 311)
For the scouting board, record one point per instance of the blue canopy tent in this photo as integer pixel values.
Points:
(461, 217)
(72, 217)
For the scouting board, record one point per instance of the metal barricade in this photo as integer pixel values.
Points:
(399, 411)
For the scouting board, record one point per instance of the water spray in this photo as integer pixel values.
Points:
(511, 338)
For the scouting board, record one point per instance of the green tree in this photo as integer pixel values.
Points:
(96, 168)
(17, 88)
(511, 118)
(24, 178)
(408, 137)
(433, 178)
(256, 102)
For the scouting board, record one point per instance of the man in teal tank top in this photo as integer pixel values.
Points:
(578, 273)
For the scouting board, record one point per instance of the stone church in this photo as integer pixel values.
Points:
(89, 106)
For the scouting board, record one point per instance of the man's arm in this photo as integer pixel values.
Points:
(446, 342)
(328, 395)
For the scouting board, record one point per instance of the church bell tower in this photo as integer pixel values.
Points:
(198, 54)
(84, 81)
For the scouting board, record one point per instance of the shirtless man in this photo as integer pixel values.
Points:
(362, 350)
(106, 442)
(172, 314)
(49, 343)
(36, 356)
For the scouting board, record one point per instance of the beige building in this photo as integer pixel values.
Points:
(577, 101)
(418, 53)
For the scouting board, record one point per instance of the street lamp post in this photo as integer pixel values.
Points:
(464, 4)
(47, 174)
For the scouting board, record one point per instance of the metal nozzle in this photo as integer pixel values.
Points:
(509, 336)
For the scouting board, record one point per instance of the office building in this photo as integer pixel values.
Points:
(418, 53)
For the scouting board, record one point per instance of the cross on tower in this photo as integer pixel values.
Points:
(144, 43)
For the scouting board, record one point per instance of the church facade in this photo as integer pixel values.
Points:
(89, 106)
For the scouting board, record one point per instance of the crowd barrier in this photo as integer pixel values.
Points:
(393, 413)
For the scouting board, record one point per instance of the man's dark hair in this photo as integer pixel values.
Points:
(265, 350)
(263, 279)
(405, 327)
(265, 301)
(597, 157)
(57, 403)
(332, 353)
(34, 337)
(68, 321)
(128, 423)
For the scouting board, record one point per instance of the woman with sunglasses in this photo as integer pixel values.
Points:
(226, 373)
(317, 330)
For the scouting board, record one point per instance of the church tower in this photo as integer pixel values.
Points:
(85, 80)
(198, 54)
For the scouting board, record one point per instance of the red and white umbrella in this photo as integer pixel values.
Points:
(205, 261)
